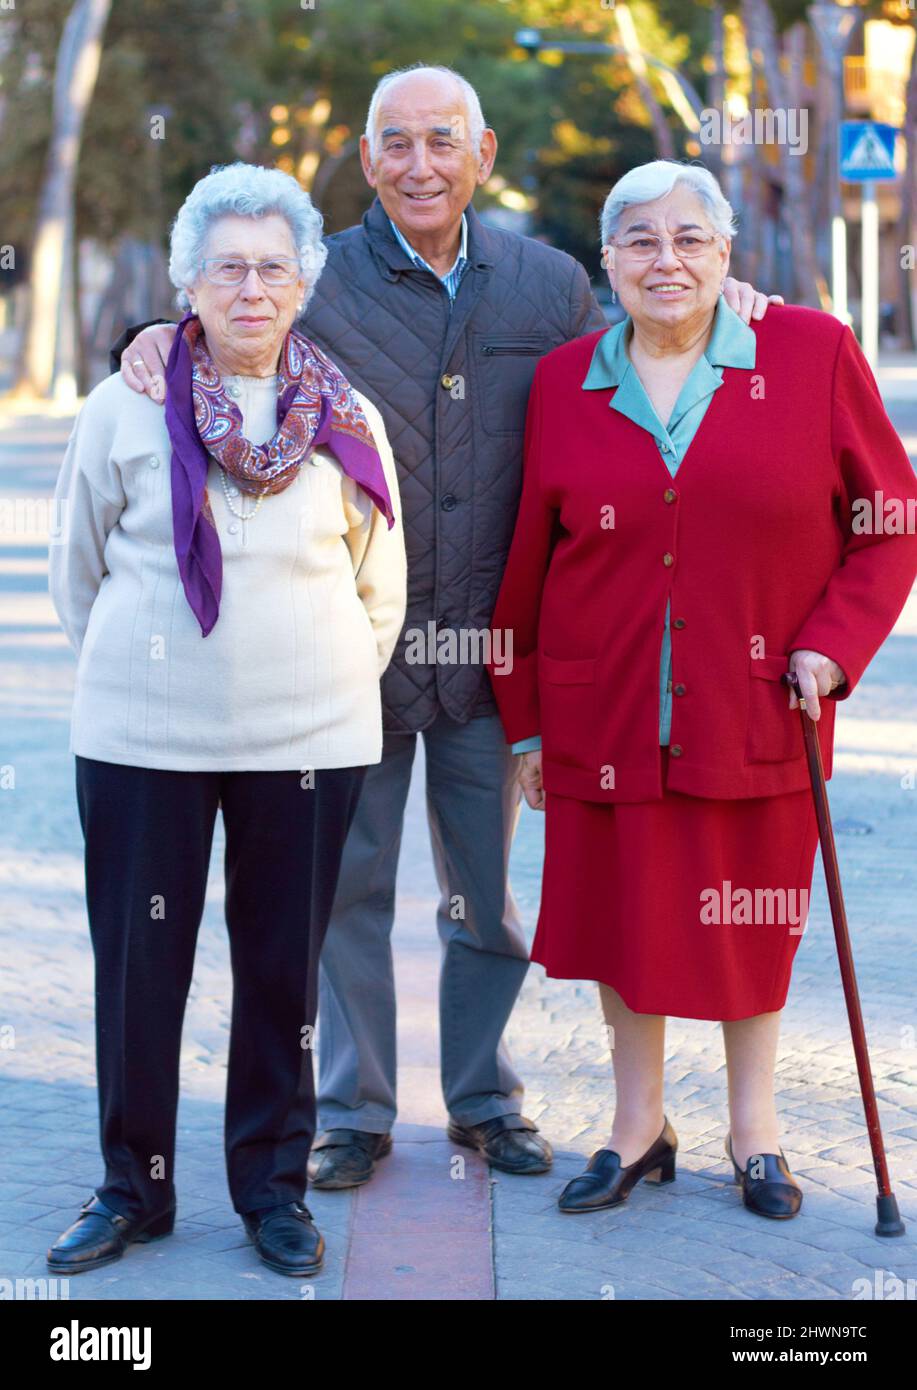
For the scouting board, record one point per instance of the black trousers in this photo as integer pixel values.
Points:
(148, 837)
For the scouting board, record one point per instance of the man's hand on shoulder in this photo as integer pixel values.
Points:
(143, 362)
(746, 301)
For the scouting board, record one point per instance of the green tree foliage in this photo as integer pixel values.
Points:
(271, 81)
(567, 124)
(192, 62)
(275, 81)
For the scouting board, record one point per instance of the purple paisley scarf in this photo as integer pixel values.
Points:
(316, 407)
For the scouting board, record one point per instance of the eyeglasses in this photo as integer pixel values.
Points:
(643, 247)
(232, 270)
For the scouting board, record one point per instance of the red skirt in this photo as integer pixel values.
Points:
(686, 906)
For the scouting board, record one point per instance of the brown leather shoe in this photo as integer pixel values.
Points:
(768, 1186)
(508, 1142)
(100, 1235)
(606, 1184)
(346, 1157)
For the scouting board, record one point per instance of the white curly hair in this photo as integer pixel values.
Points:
(647, 182)
(244, 190)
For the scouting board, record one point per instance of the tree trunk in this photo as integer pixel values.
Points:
(716, 91)
(78, 58)
(329, 167)
(764, 51)
(6, 43)
(665, 143)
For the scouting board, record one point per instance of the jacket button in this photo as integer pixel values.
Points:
(154, 462)
(232, 528)
(668, 558)
(679, 623)
(448, 502)
(669, 495)
(680, 689)
(446, 382)
(675, 750)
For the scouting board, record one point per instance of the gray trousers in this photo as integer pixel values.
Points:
(473, 803)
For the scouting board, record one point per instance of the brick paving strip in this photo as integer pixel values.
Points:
(422, 1227)
(417, 1231)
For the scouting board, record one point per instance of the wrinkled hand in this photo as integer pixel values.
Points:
(530, 779)
(143, 363)
(817, 675)
(745, 300)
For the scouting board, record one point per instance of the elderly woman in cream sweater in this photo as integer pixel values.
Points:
(232, 579)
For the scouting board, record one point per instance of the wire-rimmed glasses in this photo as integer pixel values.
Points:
(232, 270)
(646, 246)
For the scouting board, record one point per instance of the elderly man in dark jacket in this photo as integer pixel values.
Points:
(440, 320)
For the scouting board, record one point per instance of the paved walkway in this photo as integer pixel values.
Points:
(434, 1223)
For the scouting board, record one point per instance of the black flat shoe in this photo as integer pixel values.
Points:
(606, 1184)
(99, 1236)
(505, 1145)
(286, 1238)
(346, 1157)
(775, 1192)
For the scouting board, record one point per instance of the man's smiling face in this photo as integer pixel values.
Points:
(424, 167)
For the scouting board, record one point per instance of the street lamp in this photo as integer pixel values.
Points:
(533, 42)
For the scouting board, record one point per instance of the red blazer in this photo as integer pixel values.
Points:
(756, 541)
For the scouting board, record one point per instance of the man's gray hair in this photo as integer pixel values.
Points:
(476, 122)
(650, 181)
(244, 190)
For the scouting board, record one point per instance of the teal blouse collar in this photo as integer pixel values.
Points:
(732, 344)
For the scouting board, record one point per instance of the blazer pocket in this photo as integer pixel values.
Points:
(773, 733)
(567, 706)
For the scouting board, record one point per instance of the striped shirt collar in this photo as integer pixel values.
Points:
(450, 281)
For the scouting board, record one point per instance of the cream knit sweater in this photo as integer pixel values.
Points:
(312, 603)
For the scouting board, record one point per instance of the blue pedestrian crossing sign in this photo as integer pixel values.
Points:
(867, 151)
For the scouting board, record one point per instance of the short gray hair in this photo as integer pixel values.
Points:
(244, 190)
(650, 181)
(476, 122)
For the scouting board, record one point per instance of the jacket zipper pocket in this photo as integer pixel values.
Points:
(514, 349)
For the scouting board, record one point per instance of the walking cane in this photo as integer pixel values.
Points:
(889, 1222)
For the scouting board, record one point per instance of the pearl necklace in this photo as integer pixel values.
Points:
(243, 516)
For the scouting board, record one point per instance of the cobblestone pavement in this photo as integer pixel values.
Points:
(426, 1227)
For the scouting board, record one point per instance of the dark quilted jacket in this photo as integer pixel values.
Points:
(452, 389)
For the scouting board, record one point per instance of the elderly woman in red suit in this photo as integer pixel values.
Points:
(688, 532)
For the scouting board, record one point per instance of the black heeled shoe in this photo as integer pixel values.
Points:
(606, 1184)
(775, 1193)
